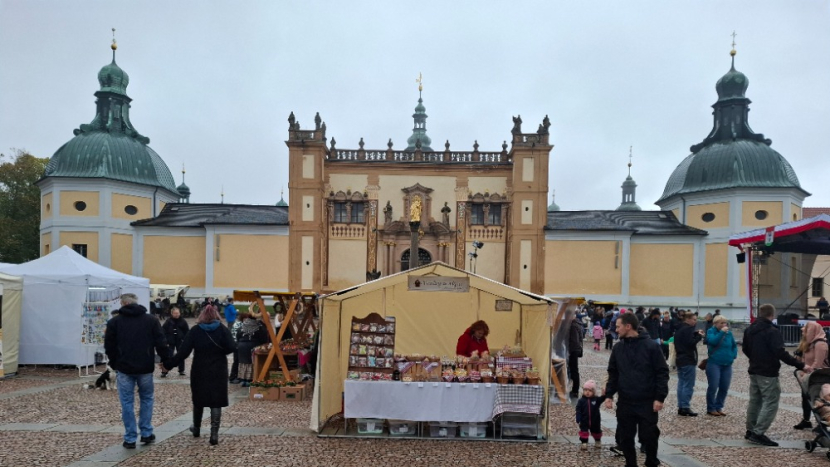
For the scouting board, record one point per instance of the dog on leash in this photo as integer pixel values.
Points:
(105, 382)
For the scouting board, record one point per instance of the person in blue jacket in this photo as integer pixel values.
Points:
(230, 313)
(722, 352)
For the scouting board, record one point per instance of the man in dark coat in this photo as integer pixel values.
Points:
(129, 341)
(764, 346)
(211, 343)
(638, 374)
(175, 328)
(574, 354)
(685, 343)
(652, 325)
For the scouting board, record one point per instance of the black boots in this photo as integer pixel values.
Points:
(215, 418)
(196, 428)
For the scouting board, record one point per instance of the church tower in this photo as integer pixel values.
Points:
(629, 191)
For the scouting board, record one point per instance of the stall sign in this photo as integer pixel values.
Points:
(439, 284)
(504, 305)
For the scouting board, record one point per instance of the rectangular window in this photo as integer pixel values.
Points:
(818, 287)
(477, 214)
(80, 248)
(357, 213)
(494, 215)
(340, 213)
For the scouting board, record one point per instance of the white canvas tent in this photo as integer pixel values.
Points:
(427, 323)
(55, 290)
(11, 291)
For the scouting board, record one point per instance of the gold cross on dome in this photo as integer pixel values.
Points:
(733, 39)
(420, 82)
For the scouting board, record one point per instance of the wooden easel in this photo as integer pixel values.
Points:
(275, 338)
(300, 327)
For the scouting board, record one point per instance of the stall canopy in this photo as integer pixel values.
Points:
(428, 322)
(56, 288)
(810, 235)
(11, 291)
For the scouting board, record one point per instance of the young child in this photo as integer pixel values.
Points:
(588, 416)
(598, 333)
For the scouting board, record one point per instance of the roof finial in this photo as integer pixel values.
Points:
(222, 194)
(630, 150)
(733, 52)
(114, 45)
(420, 82)
(182, 172)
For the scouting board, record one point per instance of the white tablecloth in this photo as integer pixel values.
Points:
(431, 402)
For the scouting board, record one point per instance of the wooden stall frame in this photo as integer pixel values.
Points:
(256, 297)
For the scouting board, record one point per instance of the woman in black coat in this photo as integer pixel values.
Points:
(251, 334)
(210, 342)
(175, 328)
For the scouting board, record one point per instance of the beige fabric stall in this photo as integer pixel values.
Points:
(11, 289)
(427, 323)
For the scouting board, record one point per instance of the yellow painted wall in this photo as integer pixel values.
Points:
(345, 182)
(45, 244)
(121, 247)
(716, 269)
(484, 184)
(581, 267)
(742, 279)
(774, 209)
(46, 206)
(490, 261)
(90, 239)
(174, 260)
(347, 263)
(795, 212)
(769, 280)
(69, 198)
(120, 201)
(695, 212)
(252, 261)
(676, 212)
(390, 190)
(662, 270)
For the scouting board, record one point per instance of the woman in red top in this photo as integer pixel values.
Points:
(474, 338)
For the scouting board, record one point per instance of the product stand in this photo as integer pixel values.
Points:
(300, 324)
(275, 338)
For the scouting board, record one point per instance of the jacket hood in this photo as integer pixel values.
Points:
(133, 309)
(813, 332)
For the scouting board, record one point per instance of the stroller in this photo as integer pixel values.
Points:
(811, 387)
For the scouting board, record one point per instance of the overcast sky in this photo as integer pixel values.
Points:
(213, 82)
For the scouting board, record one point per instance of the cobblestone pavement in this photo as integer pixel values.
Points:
(47, 419)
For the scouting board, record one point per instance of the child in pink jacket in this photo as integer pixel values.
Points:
(598, 333)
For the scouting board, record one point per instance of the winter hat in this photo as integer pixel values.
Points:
(622, 310)
(590, 385)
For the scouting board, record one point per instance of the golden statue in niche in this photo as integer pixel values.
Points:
(415, 210)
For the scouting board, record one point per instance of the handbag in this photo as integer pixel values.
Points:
(705, 361)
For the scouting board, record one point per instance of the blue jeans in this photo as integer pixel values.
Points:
(720, 377)
(685, 386)
(126, 394)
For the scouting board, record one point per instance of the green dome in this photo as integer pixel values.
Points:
(109, 146)
(731, 164)
(733, 155)
(183, 190)
(113, 79)
(732, 84)
(113, 156)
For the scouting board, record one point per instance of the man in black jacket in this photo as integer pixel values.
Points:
(129, 341)
(574, 354)
(652, 324)
(637, 372)
(764, 346)
(685, 344)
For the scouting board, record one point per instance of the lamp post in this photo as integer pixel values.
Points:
(477, 245)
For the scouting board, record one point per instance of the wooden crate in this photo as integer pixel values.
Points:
(264, 394)
(292, 393)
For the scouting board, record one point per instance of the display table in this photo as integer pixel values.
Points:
(407, 401)
(424, 402)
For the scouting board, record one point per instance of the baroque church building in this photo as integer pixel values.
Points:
(357, 214)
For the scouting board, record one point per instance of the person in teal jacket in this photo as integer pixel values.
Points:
(722, 352)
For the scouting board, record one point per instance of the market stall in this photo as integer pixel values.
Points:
(387, 358)
(11, 290)
(67, 300)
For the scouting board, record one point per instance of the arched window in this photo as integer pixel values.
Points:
(423, 258)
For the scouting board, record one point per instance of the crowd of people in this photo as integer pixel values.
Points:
(650, 343)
